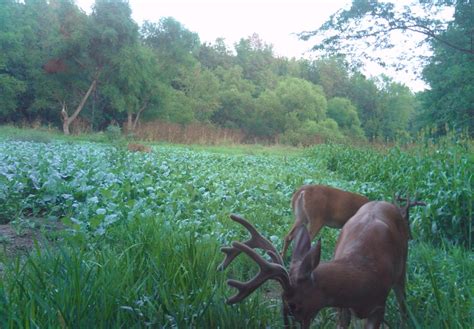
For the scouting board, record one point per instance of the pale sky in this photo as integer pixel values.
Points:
(275, 21)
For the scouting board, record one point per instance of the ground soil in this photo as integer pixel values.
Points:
(18, 240)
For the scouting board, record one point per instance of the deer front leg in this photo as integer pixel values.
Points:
(314, 227)
(375, 319)
(287, 240)
(344, 318)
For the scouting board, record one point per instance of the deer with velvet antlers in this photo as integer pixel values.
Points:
(369, 260)
(322, 206)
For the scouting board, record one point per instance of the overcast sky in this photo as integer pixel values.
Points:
(275, 21)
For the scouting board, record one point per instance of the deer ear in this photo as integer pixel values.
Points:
(302, 244)
(310, 260)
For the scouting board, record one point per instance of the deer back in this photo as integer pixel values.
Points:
(331, 205)
(373, 245)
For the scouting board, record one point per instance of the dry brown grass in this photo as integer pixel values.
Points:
(194, 133)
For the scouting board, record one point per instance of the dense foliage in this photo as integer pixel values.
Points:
(142, 232)
(377, 31)
(441, 176)
(80, 71)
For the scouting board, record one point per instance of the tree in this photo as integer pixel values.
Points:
(86, 47)
(211, 56)
(364, 94)
(202, 87)
(256, 59)
(331, 73)
(235, 98)
(27, 37)
(450, 100)
(134, 86)
(301, 100)
(397, 104)
(345, 114)
(175, 47)
(370, 25)
(12, 84)
(269, 118)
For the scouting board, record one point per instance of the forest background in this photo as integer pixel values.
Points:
(62, 67)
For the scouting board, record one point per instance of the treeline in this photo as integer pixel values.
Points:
(61, 66)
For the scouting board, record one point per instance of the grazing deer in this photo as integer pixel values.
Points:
(321, 206)
(369, 260)
(134, 147)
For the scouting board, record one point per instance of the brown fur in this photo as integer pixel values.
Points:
(134, 147)
(322, 206)
(369, 260)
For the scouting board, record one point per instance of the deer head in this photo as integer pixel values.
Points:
(295, 284)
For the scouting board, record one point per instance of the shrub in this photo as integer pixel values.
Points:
(113, 133)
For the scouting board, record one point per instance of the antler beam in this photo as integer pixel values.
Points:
(256, 241)
(267, 271)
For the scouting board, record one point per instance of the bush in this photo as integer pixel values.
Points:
(311, 132)
(113, 133)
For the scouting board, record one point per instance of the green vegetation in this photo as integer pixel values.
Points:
(131, 239)
(143, 231)
(83, 72)
(440, 175)
(365, 29)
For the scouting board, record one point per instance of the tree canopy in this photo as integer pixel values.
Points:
(369, 28)
(63, 67)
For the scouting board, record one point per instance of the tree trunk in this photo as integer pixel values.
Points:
(67, 120)
(129, 122)
(135, 122)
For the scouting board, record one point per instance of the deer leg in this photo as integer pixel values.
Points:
(399, 290)
(314, 227)
(287, 240)
(344, 318)
(375, 319)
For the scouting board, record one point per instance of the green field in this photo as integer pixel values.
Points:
(140, 236)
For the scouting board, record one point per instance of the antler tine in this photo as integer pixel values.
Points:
(256, 241)
(406, 209)
(417, 203)
(267, 271)
(399, 198)
(395, 198)
(411, 203)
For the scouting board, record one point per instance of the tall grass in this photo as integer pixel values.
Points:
(148, 274)
(440, 175)
(140, 274)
